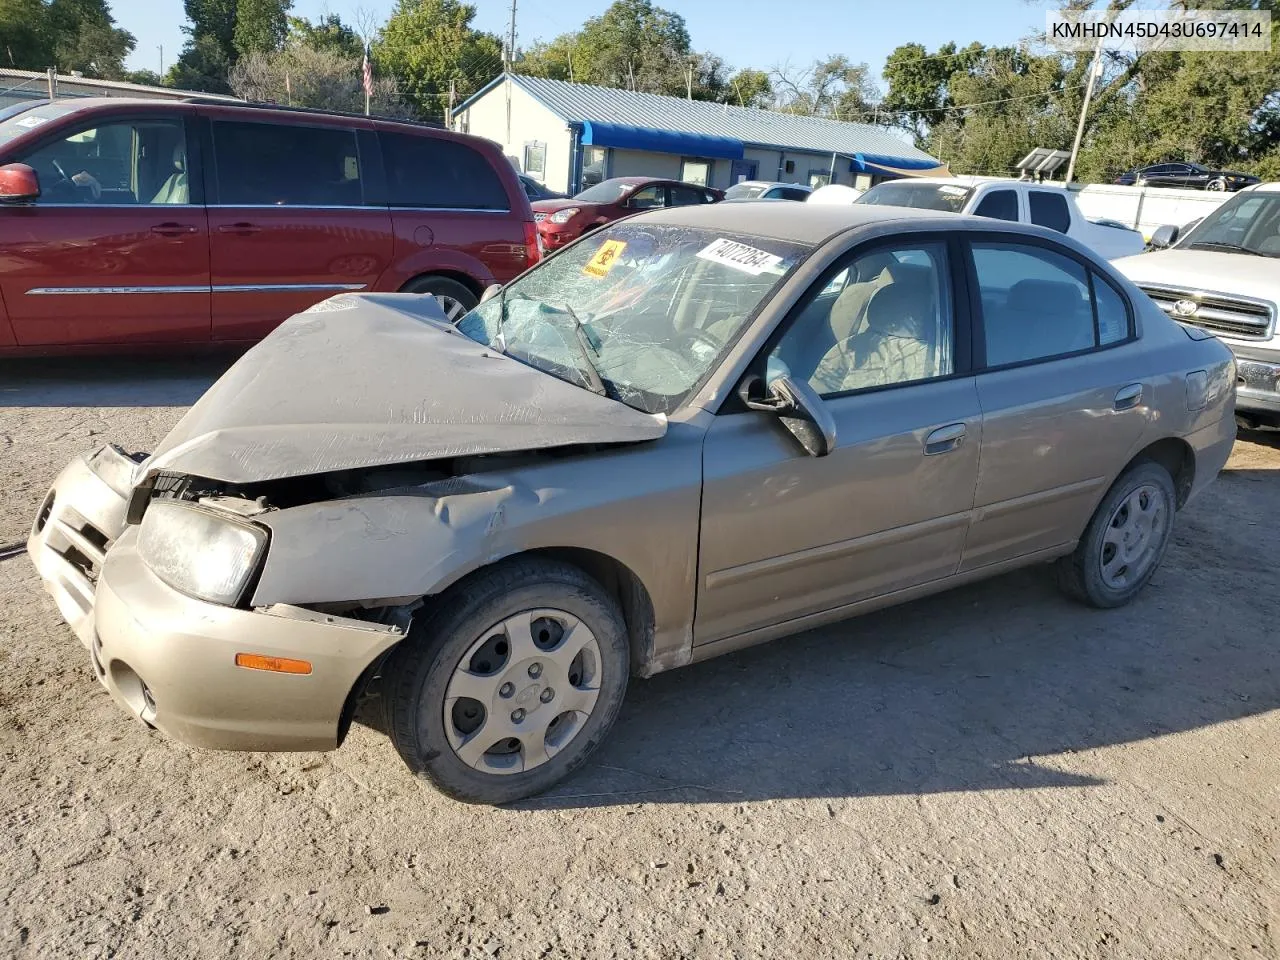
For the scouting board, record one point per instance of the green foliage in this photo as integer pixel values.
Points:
(750, 88)
(70, 35)
(328, 34)
(261, 25)
(428, 43)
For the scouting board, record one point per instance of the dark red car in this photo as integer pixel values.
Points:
(562, 221)
(126, 223)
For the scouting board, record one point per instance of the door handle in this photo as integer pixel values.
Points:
(240, 228)
(1129, 397)
(944, 439)
(172, 229)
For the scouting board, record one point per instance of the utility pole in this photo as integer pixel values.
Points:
(1094, 70)
(511, 37)
(161, 49)
(689, 79)
(448, 111)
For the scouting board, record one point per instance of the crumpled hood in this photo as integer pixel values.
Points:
(1208, 270)
(373, 379)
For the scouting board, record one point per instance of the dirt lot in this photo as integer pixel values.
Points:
(990, 773)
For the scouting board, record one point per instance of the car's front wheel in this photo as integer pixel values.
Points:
(454, 299)
(1125, 541)
(508, 682)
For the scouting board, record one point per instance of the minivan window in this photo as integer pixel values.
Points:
(275, 164)
(23, 118)
(432, 172)
(127, 162)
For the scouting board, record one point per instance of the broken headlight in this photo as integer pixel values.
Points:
(200, 552)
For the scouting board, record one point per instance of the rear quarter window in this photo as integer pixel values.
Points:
(435, 173)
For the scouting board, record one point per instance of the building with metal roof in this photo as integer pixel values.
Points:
(20, 86)
(570, 135)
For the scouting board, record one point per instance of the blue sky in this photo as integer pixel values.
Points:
(758, 33)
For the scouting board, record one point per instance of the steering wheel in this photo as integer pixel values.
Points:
(57, 166)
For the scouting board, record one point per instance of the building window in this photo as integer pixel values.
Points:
(696, 171)
(595, 165)
(819, 178)
(535, 159)
(789, 167)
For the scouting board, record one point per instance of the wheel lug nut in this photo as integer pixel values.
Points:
(506, 690)
(517, 716)
(547, 695)
(535, 670)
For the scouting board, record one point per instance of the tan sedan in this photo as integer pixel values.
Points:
(694, 430)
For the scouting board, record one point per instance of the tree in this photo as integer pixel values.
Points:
(261, 25)
(85, 38)
(328, 33)
(24, 41)
(428, 43)
(305, 77)
(919, 93)
(833, 87)
(148, 78)
(750, 88)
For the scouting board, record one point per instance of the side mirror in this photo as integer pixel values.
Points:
(799, 409)
(491, 291)
(1164, 237)
(18, 183)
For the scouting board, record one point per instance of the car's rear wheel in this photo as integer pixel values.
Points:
(509, 682)
(454, 298)
(1125, 541)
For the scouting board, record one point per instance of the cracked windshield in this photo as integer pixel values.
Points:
(639, 313)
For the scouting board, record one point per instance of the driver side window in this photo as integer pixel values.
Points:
(646, 199)
(131, 162)
(883, 319)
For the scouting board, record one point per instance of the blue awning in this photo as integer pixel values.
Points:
(897, 166)
(626, 137)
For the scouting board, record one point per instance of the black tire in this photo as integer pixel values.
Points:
(1080, 575)
(448, 292)
(418, 674)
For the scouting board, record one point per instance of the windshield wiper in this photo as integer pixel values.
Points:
(584, 345)
(1220, 245)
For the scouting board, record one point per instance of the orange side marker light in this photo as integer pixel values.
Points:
(256, 661)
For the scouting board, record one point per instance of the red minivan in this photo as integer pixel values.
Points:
(130, 223)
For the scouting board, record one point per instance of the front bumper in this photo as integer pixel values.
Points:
(169, 659)
(77, 523)
(1257, 386)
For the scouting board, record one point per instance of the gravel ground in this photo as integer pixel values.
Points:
(990, 773)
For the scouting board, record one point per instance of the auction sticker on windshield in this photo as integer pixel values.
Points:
(604, 259)
(739, 256)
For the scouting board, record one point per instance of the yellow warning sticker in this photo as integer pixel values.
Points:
(604, 259)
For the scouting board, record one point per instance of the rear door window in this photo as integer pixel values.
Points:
(999, 205)
(1049, 210)
(686, 196)
(277, 164)
(439, 174)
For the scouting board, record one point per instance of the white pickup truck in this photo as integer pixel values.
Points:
(1044, 204)
(1222, 274)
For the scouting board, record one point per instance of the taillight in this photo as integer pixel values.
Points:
(532, 242)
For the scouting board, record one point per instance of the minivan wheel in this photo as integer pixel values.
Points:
(454, 298)
(509, 682)
(1125, 541)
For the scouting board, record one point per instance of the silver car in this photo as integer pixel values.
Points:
(697, 429)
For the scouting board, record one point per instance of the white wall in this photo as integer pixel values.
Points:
(530, 121)
(1146, 208)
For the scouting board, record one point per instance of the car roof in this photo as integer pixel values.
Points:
(800, 223)
(770, 183)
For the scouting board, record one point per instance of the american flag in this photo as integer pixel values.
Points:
(368, 73)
